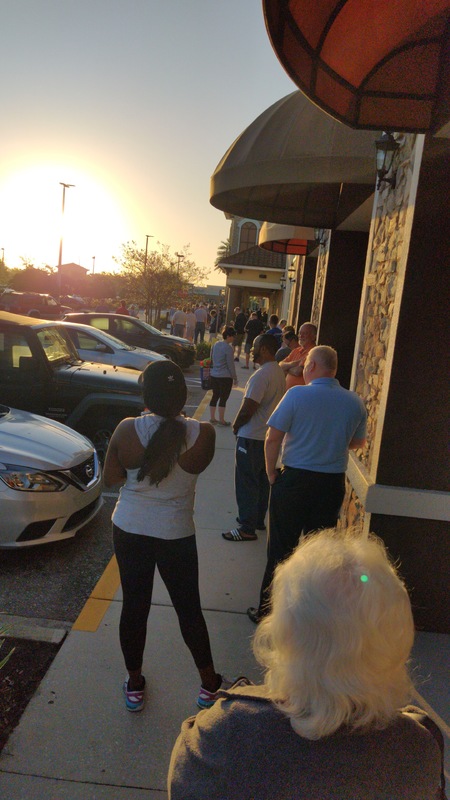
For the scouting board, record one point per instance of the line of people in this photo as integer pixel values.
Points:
(193, 322)
(335, 624)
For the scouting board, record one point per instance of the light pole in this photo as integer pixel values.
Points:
(147, 237)
(180, 257)
(3, 256)
(65, 186)
(93, 264)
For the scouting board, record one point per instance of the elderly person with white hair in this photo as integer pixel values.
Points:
(328, 723)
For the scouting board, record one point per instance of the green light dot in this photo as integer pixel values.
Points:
(364, 578)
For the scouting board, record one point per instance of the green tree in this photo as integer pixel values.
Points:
(31, 279)
(223, 251)
(156, 282)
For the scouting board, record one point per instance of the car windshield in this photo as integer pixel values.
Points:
(88, 342)
(116, 342)
(55, 345)
(150, 327)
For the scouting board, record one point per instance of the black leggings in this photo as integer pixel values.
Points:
(177, 564)
(221, 390)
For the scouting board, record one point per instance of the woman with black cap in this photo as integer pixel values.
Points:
(157, 457)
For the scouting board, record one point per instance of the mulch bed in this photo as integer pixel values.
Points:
(19, 679)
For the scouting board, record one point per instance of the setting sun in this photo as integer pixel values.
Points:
(31, 217)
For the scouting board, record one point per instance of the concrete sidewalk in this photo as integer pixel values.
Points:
(76, 741)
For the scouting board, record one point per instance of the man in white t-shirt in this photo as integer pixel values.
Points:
(263, 392)
(179, 322)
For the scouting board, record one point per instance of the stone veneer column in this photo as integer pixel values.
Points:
(398, 485)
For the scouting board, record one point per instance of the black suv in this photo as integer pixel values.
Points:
(40, 371)
(140, 334)
(32, 304)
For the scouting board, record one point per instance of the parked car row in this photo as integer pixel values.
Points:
(32, 304)
(137, 333)
(54, 372)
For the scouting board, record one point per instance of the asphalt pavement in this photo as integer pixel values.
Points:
(76, 740)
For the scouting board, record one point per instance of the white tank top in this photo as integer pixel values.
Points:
(165, 511)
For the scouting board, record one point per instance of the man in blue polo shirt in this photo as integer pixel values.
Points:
(314, 426)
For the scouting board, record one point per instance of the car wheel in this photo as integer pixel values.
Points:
(99, 430)
(169, 355)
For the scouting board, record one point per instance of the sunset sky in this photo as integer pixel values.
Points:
(134, 102)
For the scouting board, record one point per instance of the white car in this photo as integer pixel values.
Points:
(50, 480)
(100, 347)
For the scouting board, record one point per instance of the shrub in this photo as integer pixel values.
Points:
(203, 350)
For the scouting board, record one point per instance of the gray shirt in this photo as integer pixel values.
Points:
(266, 386)
(244, 748)
(223, 361)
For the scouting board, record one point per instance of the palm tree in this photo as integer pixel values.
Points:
(223, 251)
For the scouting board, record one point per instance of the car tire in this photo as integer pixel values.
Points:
(99, 430)
(170, 356)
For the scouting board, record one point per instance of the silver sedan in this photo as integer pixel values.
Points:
(50, 480)
(101, 347)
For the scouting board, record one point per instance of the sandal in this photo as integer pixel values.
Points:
(224, 424)
(238, 535)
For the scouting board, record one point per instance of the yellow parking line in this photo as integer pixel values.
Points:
(200, 409)
(98, 603)
(91, 615)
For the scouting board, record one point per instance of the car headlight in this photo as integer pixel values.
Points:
(24, 479)
(187, 346)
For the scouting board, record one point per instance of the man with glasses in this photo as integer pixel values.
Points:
(290, 342)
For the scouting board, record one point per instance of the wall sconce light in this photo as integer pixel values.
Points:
(386, 148)
(320, 235)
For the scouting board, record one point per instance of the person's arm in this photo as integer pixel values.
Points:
(359, 437)
(199, 456)
(244, 414)
(272, 446)
(356, 443)
(230, 363)
(288, 363)
(114, 473)
(297, 368)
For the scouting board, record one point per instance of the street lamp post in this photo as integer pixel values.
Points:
(147, 237)
(180, 257)
(65, 186)
(3, 256)
(93, 264)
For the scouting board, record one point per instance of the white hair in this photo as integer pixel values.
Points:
(337, 640)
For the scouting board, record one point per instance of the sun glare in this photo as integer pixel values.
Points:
(31, 218)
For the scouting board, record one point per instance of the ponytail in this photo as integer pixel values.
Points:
(163, 450)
